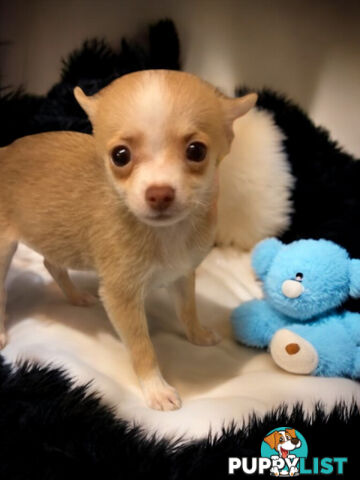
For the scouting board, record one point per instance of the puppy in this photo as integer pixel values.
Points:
(136, 202)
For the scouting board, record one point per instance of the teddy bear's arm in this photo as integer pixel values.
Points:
(255, 323)
(351, 322)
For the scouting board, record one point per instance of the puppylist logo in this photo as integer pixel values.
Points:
(284, 453)
(284, 447)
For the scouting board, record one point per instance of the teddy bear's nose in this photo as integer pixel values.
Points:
(292, 288)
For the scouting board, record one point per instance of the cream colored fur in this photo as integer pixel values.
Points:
(62, 195)
(255, 183)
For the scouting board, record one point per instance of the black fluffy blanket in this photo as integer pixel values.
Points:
(52, 430)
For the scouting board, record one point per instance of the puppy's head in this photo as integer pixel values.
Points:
(161, 134)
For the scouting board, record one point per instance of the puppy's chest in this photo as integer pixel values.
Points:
(178, 256)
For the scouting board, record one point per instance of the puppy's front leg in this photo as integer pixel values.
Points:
(71, 292)
(183, 294)
(127, 314)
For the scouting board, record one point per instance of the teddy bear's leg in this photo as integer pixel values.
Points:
(255, 323)
(356, 370)
(293, 353)
(352, 322)
(324, 349)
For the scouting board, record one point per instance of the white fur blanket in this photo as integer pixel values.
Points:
(217, 384)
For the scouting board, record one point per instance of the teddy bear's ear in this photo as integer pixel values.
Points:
(263, 255)
(355, 278)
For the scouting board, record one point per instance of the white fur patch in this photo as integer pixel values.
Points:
(255, 183)
(153, 107)
(152, 101)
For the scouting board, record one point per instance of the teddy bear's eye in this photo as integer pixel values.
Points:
(299, 276)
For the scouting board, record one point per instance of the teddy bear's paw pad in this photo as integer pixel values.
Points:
(293, 353)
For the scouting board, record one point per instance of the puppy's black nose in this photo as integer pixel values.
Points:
(160, 197)
(294, 441)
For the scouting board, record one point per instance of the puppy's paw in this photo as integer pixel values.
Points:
(82, 299)
(205, 337)
(159, 395)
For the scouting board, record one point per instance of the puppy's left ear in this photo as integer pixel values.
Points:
(235, 108)
(87, 103)
(355, 278)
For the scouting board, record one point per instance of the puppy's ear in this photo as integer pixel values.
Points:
(355, 278)
(271, 440)
(264, 254)
(235, 108)
(87, 103)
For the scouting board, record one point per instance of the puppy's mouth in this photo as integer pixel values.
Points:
(163, 219)
(160, 217)
(284, 453)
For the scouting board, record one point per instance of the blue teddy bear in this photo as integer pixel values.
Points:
(301, 319)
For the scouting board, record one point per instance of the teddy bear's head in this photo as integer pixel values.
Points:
(306, 277)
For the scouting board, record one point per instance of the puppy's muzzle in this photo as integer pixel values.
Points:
(160, 198)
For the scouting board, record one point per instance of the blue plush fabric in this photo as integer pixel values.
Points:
(328, 277)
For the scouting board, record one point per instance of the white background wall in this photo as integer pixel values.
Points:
(308, 49)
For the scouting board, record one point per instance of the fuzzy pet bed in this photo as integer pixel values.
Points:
(218, 384)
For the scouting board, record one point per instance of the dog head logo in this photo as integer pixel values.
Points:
(283, 441)
(284, 446)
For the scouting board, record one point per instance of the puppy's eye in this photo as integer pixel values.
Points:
(299, 276)
(121, 156)
(281, 440)
(196, 152)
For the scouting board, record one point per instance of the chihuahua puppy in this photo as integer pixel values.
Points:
(136, 202)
